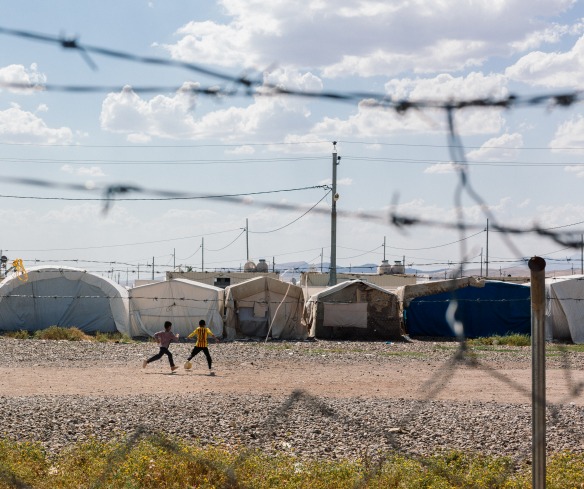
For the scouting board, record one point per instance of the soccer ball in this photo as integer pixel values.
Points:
(188, 365)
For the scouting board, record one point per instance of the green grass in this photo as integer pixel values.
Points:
(508, 340)
(156, 462)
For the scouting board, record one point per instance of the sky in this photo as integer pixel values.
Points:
(524, 164)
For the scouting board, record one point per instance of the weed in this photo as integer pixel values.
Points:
(508, 340)
(21, 334)
(60, 333)
(155, 461)
(112, 338)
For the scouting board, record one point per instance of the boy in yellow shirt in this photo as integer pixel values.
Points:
(202, 333)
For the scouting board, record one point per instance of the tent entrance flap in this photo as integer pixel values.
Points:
(252, 325)
(348, 315)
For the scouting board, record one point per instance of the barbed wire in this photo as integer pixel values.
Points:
(259, 86)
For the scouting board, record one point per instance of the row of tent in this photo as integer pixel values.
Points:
(264, 307)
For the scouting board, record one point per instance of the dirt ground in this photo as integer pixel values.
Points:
(417, 376)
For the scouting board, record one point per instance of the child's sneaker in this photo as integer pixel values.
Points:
(173, 368)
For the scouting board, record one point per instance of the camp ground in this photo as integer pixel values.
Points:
(565, 308)
(264, 307)
(182, 302)
(483, 308)
(354, 309)
(62, 296)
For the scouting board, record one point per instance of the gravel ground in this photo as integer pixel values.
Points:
(347, 426)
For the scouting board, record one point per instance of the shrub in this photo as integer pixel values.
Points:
(59, 333)
(21, 334)
(112, 337)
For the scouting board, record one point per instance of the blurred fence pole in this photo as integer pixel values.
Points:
(538, 442)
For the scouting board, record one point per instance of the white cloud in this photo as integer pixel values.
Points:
(343, 182)
(368, 38)
(20, 126)
(92, 171)
(549, 35)
(162, 116)
(502, 148)
(552, 216)
(576, 170)
(372, 122)
(569, 135)
(445, 86)
(18, 74)
(551, 69)
(449, 55)
(442, 168)
(241, 150)
(369, 122)
(173, 117)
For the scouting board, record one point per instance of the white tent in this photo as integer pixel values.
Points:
(182, 302)
(353, 309)
(565, 308)
(262, 307)
(63, 296)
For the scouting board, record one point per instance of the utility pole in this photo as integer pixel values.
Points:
(202, 254)
(247, 239)
(582, 254)
(152, 268)
(321, 256)
(384, 248)
(487, 257)
(173, 259)
(333, 265)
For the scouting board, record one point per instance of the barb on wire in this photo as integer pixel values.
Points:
(75, 45)
(260, 87)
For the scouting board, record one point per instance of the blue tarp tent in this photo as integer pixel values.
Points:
(496, 308)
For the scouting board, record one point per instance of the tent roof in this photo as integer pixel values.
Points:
(335, 288)
(71, 273)
(259, 284)
(187, 282)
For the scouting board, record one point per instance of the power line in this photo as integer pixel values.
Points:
(227, 246)
(295, 220)
(125, 244)
(274, 143)
(214, 161)
(192, 197)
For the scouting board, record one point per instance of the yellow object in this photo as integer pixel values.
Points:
(188, 365)
(20, 270)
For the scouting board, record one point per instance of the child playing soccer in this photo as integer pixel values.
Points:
(202, 333)
(164, 339)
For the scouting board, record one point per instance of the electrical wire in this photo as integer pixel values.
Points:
(295, 220)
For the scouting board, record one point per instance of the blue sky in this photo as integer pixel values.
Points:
(525, 163)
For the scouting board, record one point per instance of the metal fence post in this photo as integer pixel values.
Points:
(538, 400)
